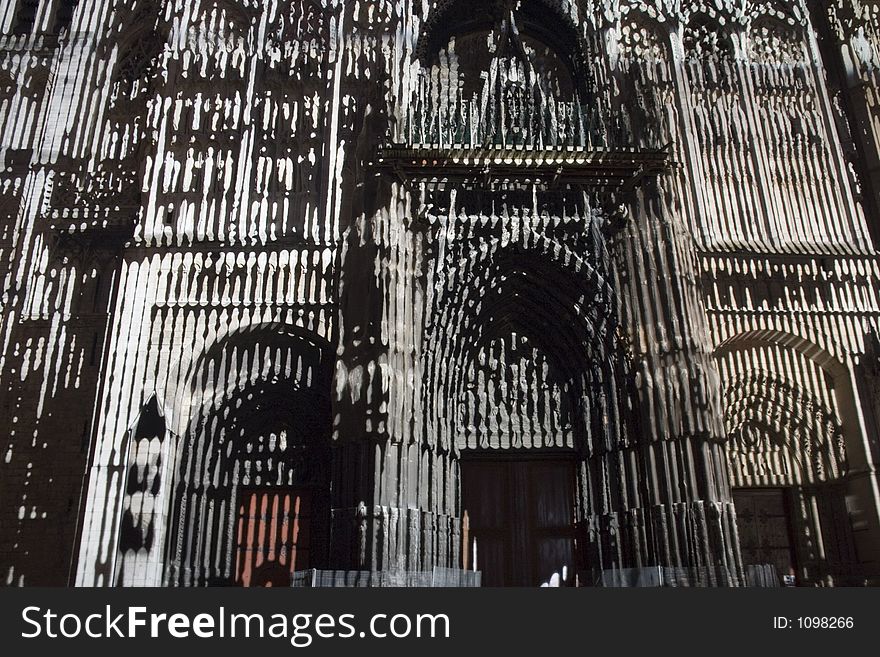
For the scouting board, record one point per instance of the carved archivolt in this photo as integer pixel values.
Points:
(262, 418)
(779, 434)
(642, 38)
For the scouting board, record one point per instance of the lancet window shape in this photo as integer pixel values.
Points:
(497, 82)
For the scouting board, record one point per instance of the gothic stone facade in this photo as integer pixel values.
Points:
(547, 288)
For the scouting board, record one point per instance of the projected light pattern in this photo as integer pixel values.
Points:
(277, 274)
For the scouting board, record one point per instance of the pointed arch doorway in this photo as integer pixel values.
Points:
(252, 493)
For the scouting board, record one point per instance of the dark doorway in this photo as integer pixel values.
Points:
(835, 528)
(765, 528)
(520, 520)
(272, 536)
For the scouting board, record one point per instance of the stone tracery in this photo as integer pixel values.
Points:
(514, 228)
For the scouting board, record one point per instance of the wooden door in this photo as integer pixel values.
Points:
(765, 528)
(835, 526)
(272, 536)
(521, 520)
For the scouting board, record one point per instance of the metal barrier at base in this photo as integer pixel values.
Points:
(761, 576)
(436, 578)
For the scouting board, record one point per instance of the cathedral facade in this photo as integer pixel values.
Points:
(567, 292)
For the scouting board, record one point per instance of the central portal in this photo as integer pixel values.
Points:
(520, 515)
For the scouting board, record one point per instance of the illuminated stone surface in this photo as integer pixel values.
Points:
(334, 248)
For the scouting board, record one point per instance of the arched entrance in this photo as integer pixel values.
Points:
(528, 407)
(251, 500)
(528, 393)
(533, 371)
(789, 458)
(524, 366)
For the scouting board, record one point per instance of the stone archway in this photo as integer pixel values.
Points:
(251, 497)
(533, 381)
(794, 454)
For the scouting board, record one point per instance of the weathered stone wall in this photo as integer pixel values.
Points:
(211, 279)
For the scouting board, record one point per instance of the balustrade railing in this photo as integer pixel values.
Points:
(513, 118)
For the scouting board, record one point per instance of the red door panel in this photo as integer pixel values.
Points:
(272, 536)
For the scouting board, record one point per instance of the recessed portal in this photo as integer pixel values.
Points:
(520, 515)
